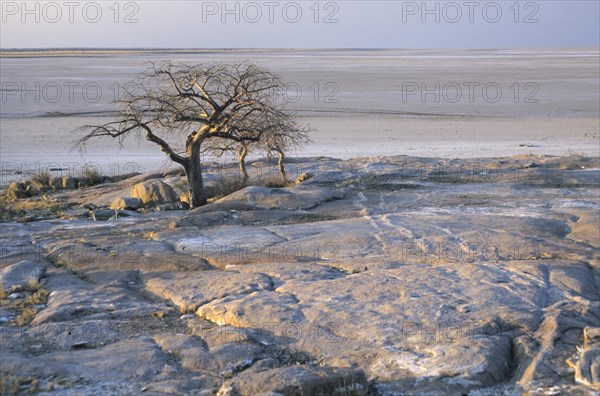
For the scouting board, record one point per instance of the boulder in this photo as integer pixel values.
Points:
(154, 192)
(36, 188)
(17, 275)
(15, 186)
(102, 214)
(56, 183)
(303, 177)
(16, 191)
(68, 183)
(169, 206)
(185, 198)
(127, 203)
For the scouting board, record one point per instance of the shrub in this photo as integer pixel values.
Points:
(43, 178)
(226, 186)
(92, 175)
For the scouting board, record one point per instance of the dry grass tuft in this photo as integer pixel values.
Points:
(14, 385)
(43, 177)
(25, 316)
(274, 183)
(32, 282)
(226, 186)
(92, 175)
(33, 295)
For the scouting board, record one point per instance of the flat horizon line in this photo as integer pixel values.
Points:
(15, 49)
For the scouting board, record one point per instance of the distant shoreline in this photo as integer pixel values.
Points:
(60, 52)
(18, 53)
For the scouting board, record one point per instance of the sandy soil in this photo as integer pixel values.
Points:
(454, 137)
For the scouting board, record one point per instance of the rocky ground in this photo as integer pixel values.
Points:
(379, 276)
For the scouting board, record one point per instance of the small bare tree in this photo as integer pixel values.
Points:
(278, 140)
(232, 103)
(220, 148)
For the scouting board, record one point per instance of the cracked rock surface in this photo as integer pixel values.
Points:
(378, 276)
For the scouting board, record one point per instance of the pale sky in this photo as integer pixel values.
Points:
(300, 24)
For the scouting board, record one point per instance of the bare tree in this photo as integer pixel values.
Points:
(221, 147)
(232, 103)
(279, 140)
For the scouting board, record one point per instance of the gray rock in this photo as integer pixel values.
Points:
(545, 358)
(18, 275)
(111, 365)
(185, 198)
(587, 371)
(36, 188)
(284, 198)
(222, 207)
(282, 273)
(168, 207)
(192, 351)
(298, 380)
(68, 183)
(154, 192)
(485, 285)
(591, 335)
(71, 297)
(255, 310)
(56, 183)
(53, 315)
(127, 203)
(123, 213)
(303, 177)
(15, 186)
(72, 214)
(16, 190)
(82, 182)
(102, 214)
(190, 290)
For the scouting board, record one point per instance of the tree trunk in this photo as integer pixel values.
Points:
(242, 152)
(193, 171)
(280, 158)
